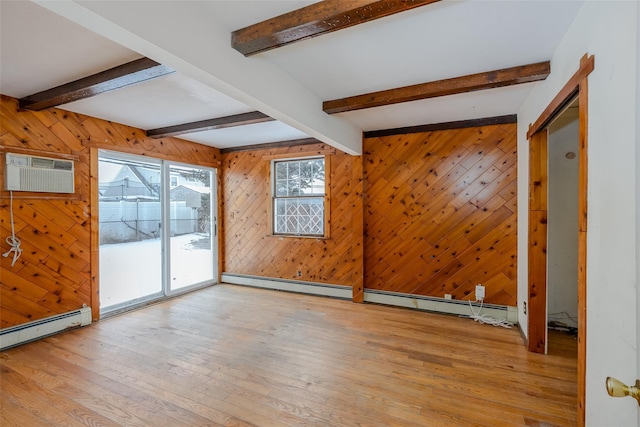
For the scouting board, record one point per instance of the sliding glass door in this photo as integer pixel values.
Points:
(192, 226)
(130, 230)
(157, 229)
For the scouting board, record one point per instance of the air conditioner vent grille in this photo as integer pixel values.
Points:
(63, 165)
(45, 180)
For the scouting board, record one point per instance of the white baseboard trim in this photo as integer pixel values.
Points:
(31, 331)
(418, 302)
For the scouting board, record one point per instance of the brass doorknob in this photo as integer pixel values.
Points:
(617, 388)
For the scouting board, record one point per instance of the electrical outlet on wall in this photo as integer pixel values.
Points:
(479, 292)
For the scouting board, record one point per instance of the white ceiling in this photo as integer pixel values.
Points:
(40, 49)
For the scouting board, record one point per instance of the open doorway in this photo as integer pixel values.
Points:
(538, 136)
(562, 232)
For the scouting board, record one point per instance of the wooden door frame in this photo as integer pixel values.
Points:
(537, 246)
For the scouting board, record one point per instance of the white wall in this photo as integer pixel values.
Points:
(607, 30)
(638, 193)
(562, 246)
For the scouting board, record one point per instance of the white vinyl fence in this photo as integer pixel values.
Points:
(129, 221)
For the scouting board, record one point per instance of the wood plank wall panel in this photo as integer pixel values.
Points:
(440, 213)
(53, 275)
(250, 249)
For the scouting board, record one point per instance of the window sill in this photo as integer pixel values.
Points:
(293, 236)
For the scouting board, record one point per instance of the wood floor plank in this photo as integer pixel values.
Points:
(201, 400)
(237, 356)
(44, 405)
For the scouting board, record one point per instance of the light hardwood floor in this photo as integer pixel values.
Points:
(230, 355)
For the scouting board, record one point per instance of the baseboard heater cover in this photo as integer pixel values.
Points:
(439, 305)
(31, 331)
(313, 288)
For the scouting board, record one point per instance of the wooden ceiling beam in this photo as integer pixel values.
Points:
(271, 145)
(314, 20)
(114, 78)
(211, 124)
(434, 127)
(473, 82)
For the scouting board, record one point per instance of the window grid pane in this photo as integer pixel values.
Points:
(295, 212)
(299, 216)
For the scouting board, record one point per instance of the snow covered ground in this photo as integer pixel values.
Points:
(134, 270)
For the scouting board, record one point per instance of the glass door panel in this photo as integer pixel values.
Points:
(130, 230)
(192, 233)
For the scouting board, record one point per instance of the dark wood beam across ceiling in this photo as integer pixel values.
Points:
(469, 83)
(434, 127)
(211, 124)
(270, 145)
(314, 20)
(114, 78)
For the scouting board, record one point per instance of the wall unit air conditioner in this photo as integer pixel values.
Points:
(41, 174)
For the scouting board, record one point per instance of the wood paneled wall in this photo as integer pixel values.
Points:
(440, 213)
(250, 249)
(439, 216)
(57, 271)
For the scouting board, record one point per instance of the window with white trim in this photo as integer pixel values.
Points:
(298, 191)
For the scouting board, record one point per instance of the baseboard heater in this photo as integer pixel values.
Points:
(439, 305)
(313, 288)
(16, 335)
